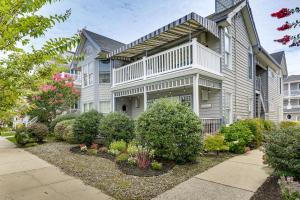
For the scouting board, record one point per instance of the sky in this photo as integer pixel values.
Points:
(128, 20)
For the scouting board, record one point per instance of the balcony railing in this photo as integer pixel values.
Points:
(191, 54)
(211, 126)
(292, 93)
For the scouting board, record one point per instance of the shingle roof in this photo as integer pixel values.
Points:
(105, 43)
(223, 15)
(292, 78)
(278, 56)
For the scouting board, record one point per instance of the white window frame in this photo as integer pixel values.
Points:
(108, 104)
(88, 106)
(228, 107)
(250, 68)
(88, 70)
(110, 73)
(227, 35)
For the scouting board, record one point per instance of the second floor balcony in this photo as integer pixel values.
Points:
(191, 55)
(291, 93)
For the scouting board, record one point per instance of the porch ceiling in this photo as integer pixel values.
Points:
(171, 32)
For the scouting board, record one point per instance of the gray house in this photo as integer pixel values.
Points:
(292, 98)
(215, 64)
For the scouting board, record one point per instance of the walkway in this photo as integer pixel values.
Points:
(24, 176)
(235, 179)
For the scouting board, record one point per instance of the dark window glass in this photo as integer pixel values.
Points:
(104, 71)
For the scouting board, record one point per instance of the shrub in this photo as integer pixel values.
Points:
(290, 189)
(131, 160)
(114, 152)
(237, 136)
(143, 157)
(156, 165)
(38, 131)
(117, 126)
(287, 124)
(122, 157)
(62, 118)
(103, 150)
(64, 131)
(132, 149)
(23, 138)
(86, 127)
(215, 143)
(257, 128)
(118, 145)
(282, 151)
(269, 125)
(172, 130)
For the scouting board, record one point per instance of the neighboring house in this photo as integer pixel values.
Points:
(292, 98)
(214, 64)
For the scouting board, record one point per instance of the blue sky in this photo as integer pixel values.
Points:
(127, 20)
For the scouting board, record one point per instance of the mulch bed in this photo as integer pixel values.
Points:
(105, 175)
(270, 190)
(130, 169)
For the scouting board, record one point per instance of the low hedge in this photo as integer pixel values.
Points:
(282, 148)
(62, 118)
(64, 131)
(38, 131)
(117, 126)
(287, 124)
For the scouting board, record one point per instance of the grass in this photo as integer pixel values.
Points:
(7, 133)
(12, 139)
(105, 175)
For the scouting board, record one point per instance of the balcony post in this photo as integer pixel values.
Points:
(194, 47)
(196, 94)
(113, 102)
(144, 67)
(145, 98)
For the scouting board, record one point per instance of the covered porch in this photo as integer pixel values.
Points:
(203, 95)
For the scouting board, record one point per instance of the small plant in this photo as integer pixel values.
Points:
(290, 189)
(83, 147)
(94, 146)
(117, 126)
(143, 157)
(93, 151)
(131, 160)
(215, 144)
(114, 152)
(86, 127)
(132, 149)
(156, 165)
(118, 145)
(38, 131)
(122, 157)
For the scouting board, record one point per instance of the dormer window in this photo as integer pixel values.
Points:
(227, 48)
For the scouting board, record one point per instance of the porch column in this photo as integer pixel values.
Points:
(145, 98)
(196, 94)
(113, 102)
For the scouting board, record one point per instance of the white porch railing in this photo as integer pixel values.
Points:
(211, 126)
(191, 54)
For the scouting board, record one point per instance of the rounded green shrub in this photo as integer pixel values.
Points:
(64, 131)
(172, 130)
(257, 128)
(282, 148)
(86, 127)
(38, 131)
(215, 143)
(117, 126)
(237, 136)
(156, 165)
(123, 157)
(62, 118)
(118, 145)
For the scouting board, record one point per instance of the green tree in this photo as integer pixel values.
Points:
(22, 71)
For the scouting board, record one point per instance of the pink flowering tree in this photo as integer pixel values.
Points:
(54, 98)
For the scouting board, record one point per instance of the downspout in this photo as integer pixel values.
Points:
(235, 70)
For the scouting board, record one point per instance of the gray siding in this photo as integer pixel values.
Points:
(236, 79)
(214, 98)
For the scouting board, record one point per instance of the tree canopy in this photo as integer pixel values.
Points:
(21, 72)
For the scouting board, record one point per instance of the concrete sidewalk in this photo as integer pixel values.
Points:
(235, 179)
(24, 176)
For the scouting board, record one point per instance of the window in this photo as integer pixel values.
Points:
(227, 48)
(186, 100)
(105, 107)
(250, 63)
(228, 108)
(88, 106)
(88, 74)
(104, 71)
